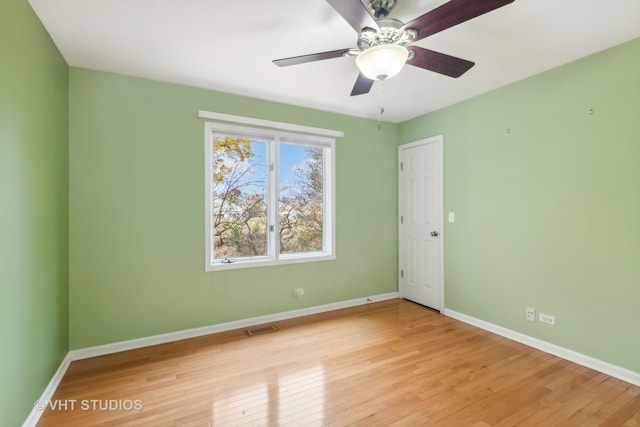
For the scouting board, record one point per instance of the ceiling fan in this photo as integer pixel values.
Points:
(384, 44)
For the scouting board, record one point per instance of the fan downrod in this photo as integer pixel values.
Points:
(381, 8)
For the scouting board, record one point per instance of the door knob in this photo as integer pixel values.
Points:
(434, 234)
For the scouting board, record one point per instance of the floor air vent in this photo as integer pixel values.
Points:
(261, 330)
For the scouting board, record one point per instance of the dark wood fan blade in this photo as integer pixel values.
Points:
(355, 13)
(362, 86)
(294, 60)
(450, 14)
(439, 62)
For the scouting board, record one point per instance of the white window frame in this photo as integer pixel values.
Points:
(274, 256)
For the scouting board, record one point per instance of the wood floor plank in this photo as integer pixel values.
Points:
(392, 363)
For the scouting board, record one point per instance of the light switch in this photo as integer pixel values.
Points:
(452, 217)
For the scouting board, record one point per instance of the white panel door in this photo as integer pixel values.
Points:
(420, 234)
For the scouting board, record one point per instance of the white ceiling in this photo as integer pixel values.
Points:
(229, 45)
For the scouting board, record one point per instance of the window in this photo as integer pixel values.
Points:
(269, 197)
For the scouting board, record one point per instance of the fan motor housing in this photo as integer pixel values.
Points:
(390, 33)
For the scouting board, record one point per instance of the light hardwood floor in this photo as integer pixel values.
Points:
(391, 363)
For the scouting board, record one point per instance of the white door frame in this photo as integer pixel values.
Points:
(437, 139)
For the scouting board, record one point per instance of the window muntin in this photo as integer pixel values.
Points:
(269, 197)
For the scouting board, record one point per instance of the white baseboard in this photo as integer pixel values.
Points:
(573, 356)
(117, 347)
(40, 405)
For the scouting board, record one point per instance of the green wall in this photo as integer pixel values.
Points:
(137, 213)
(33, 210)
(544, 178)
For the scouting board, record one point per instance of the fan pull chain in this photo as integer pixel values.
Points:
(381, 108)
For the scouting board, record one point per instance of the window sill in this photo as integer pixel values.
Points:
(284, 260)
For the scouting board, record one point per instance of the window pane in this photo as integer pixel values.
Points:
(301, 198)
(240, 197)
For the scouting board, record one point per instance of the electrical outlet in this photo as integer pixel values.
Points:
(547, 318)
(530, 314)
(298, 292)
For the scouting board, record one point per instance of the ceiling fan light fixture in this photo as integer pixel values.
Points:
(383, 61)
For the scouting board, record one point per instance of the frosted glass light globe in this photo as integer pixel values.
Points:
(383, 61)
